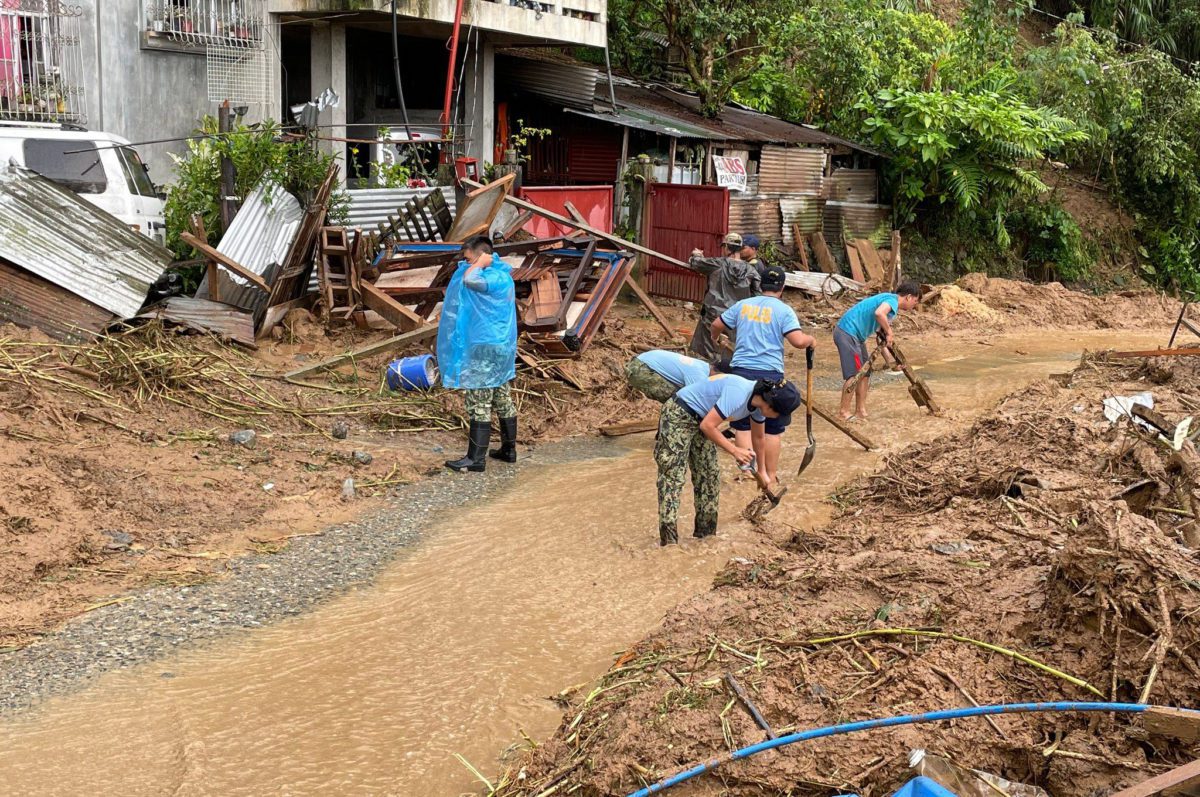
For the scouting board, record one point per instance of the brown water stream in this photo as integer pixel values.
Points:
(455, 648)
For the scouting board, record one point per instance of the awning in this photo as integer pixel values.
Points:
(639, 119)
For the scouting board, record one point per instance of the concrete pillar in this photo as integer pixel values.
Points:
(479, 102)
(272, 107)
(328, 70)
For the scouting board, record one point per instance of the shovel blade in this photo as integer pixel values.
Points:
(809, 453)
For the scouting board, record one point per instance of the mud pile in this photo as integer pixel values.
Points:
(979, 300)
(1037, 556)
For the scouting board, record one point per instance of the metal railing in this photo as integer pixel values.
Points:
(41, 62)
(230, 23)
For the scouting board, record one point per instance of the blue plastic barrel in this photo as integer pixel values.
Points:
(412, 373)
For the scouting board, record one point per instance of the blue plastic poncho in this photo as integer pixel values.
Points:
(477, 333)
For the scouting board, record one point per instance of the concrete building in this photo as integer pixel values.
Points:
(149, 69)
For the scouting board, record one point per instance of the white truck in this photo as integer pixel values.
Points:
(102, 168)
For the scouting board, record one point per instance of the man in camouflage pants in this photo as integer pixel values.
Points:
(481, 402)
(658, 374)
(689, 433)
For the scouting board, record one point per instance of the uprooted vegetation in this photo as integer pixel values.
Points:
(1037, 556)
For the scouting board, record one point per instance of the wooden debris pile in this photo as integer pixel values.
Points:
(397, 274)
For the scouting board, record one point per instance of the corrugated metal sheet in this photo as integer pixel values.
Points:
(854, 185)
(29, 301)
(756, 215)
(205, 316)
(571, 83)
(370, 206)
(54, 234)
(870, 221)
(258, 239)
(791, 170)
(805, 212)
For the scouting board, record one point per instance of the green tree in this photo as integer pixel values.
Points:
(259, 152)
(718, 40)
(973, 147)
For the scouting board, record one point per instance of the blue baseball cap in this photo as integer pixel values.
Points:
(750, 241)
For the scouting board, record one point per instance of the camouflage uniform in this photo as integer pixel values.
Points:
(481, 401)
(681, 445)
(643, 379)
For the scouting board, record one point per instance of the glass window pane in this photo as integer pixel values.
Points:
(135, 173)
(59, 161)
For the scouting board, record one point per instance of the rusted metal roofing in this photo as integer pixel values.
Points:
(655, 107)
(550, 75)
(51, 232)
(854, 185)
(791, 170)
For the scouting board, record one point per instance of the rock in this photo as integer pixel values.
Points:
(340, 430)
(976, 282)
(348, 492)
(120, 540)
(951, 548)
(362, 458)
(245, 437)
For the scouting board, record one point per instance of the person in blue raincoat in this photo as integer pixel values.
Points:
(477, 350)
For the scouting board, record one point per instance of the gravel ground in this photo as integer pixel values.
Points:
(258, 589)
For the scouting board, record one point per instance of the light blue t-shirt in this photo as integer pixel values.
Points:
(729, 395)
(674, 367)
(759, 324)
(860, 320)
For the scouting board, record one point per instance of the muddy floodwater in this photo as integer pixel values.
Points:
(457, 646)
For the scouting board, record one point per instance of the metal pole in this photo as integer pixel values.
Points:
(612, 94)
(458, 12)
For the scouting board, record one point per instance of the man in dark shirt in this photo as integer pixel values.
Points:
(730, 280)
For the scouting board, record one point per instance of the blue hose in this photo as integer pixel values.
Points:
(884, 722)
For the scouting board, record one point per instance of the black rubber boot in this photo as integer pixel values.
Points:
(477, 445)
(667, 535)
(507, 452)
(705, 527)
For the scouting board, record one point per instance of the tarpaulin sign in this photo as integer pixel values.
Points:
(731, 172)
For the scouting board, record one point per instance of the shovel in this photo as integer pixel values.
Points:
(808, 412)
(760, 506)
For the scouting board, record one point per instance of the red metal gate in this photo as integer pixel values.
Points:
(681, 218)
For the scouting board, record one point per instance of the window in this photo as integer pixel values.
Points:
(62, 162)
(136, 177)
(193, 24)
(39, 53)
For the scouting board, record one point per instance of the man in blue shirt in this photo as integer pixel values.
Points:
(856, 327)
(760, 325)
(477, 350)
(658, 374)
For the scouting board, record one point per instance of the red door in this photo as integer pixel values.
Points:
(682, 218)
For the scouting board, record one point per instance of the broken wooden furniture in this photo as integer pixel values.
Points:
(338, 280)
(917, 387)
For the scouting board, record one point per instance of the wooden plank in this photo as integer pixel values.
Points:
(391, 310)
(512, 229)
(1174, 723)
(1186, 776)
(894, 266)
(856, 269)
(821, 252)
(607, 236)
(225, 262)
(631, 427)
(391, 344)
(801, 244)
(833, 420)
(872, 265)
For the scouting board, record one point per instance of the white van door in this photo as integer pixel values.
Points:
(144, 201)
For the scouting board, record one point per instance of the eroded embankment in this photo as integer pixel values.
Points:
(1043, 529)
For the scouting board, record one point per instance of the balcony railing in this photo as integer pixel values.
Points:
(199, 23)
(41, 62)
